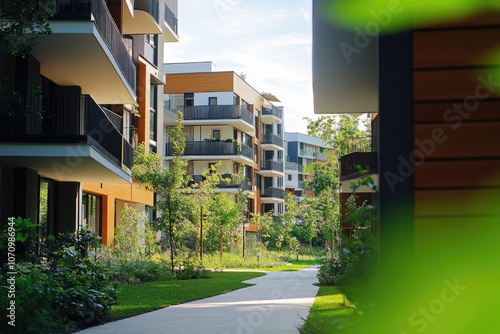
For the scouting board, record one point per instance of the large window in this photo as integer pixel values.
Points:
(91, 213)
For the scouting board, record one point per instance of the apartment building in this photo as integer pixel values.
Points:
(227, 120)
(301, 150)
(67, 142)
(433, 88)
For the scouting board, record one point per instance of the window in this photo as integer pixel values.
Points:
(255, 150)
(212, 101)
(256, 124)
(91, 213)
(289, 177)
(152, 110)
(216, 134)
(189, 99)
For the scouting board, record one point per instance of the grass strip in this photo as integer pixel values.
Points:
(330, 313)
(136, 299)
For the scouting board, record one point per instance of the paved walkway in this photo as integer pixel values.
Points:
(277, 304)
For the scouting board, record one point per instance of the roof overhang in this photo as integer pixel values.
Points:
(345, 75)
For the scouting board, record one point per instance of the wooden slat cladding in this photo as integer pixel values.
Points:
(457, 203)
(457, 102)
(453, 174)
(484, 19)
(458, 84)
(199, 82)
(455, 48)
(454, 141)
(436, 112)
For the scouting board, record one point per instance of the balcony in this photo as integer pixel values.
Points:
(234, 115)
(307, 153)
(270, 168)
(145, 18)
(86, 49)
(357, 164)
(321, 156)
(65, 138)
(244, 184)
(170, 33)
(272, 114)
(272, 142)
(272, 194)
(213, 150)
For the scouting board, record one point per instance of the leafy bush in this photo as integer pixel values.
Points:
(190, 268)
(64, 290)
(140, 271)
(333, 270)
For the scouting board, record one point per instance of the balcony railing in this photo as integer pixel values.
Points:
(212, 148)
(150, 6)
(291, 165)
(217, 112)
(270, 138)
(233, 184)
(306, 153)
(357, 164)
(273, 111)
(171, 15)
(65, 119)
(273, 192)
(272, 165)
(97, 11)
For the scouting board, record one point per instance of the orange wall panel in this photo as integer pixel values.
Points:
(199, 82)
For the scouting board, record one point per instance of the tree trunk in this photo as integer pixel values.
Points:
(170, 231)
(220, 244)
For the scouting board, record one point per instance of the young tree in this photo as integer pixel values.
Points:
(223, 215)
(169, 183)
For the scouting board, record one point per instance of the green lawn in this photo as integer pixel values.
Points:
(140, 298)
(296, 265)
(328, 313)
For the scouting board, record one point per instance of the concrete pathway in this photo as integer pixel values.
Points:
(277, 304)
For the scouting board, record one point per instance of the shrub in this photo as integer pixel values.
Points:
(332, 270)
(136, 272)
(66, 291)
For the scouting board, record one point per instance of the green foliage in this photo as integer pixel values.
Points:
(330, 313)
(169, 183)
(140, 271)
(134, 238)
(68, 290)
(223, 215)
(22, 22)
(343, 133)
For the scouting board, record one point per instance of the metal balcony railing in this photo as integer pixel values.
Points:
(150, 6)
(270, 138)
(171, 15)
(357, 164)
(321, 156)
(272, 165)
(273, 111)
(65, 118)
(97, 11)
(217, 112)
(273, 192)
(243, 184)
(306, 153)
(212, 148)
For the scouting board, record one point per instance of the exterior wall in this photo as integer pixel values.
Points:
(109, 193)
(199, 82)
(457, 126)
(223, 98)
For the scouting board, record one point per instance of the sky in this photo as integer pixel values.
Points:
(269, 41)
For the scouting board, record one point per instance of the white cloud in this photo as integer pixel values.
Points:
(268, 41)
